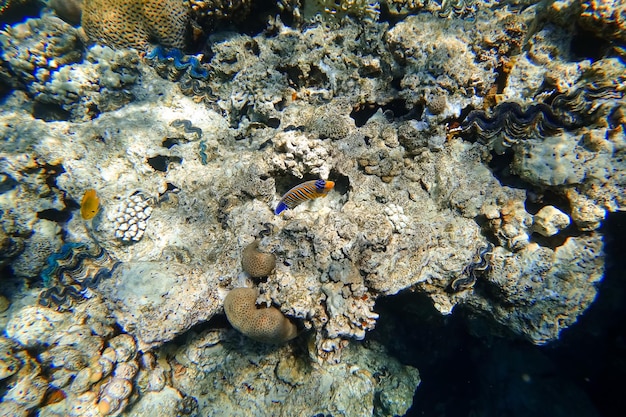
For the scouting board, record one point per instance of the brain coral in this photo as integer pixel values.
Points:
(266, 325)
(256, 263)
(133, 23)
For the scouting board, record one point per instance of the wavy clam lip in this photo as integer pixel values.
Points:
(566, 111)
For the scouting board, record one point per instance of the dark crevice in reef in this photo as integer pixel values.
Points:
(392, 19)
(170, 142)
(285, 182)
(218, 321)
(557, 240)
(59, 216)
(535, 201)
(592, 352)
(500, 166)
(342, 182)
(52, 172)
(585, 45)
(21, 12)
(394, 110)
(256, 21)
(50, 112)
(7, 182)
(161, 162)
(296, 78)
(469, 365)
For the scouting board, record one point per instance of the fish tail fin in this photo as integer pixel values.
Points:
(280, 207)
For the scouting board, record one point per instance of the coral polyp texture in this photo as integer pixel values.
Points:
(132, 218)
(264, 324)
(255, 262)
(134, 23)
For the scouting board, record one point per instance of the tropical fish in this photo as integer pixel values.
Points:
(302, 192)
(89, 205)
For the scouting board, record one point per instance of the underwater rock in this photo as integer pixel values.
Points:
(537, 292)
(144, 295)
(99, 84)
(366, 382)
(28, 391)
(166, 402)
(551, 162)
(437, 58)
(33, 50)
(549, 221)
(114, 397)
(45, 58)
(33, 326)
(95, 371)
(9, 362)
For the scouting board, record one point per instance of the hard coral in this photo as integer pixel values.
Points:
(256, 263)
(266, 325)
(133, 23)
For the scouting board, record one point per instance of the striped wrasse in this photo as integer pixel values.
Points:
(303, 192)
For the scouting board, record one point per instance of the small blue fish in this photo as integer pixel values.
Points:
(303, 192)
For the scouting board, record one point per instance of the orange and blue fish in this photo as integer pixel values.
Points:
(303, 192)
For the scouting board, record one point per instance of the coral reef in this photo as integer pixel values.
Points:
(606, 18)
(80, 354)
(133, 23)
(266, 325)
(99, 84)
(473, 161)
(144, 295)
(44, 57)
(367, 382)
(32, 50)
(549, 221)
(559, 282)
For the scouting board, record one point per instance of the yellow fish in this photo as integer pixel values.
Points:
(90, 204)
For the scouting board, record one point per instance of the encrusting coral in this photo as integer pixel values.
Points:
(266, 325)
(256, 263)
(134, 23)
